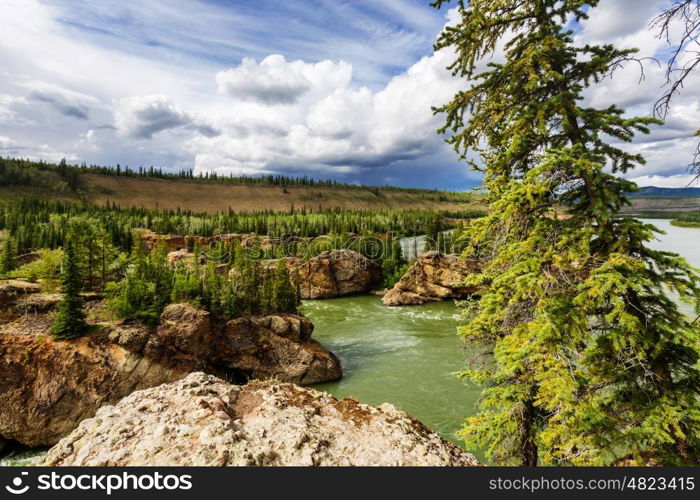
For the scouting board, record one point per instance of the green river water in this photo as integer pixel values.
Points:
(407, 356)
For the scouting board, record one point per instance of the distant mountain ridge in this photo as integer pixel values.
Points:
(667, 192)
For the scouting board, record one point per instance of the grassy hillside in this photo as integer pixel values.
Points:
(198, 194)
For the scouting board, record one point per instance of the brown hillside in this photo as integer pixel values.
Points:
(213, 197)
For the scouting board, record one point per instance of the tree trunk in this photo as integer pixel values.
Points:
(528, 447)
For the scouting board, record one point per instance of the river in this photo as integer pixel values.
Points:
(407, 356)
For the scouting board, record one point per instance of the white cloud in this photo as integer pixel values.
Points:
(619, 18)
(7, 143)
(64, 101)
(639, 84)
(143, 116)
(341, 129)
(276, 81)
(670, 181)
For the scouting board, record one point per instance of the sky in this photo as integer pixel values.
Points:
(332, 89)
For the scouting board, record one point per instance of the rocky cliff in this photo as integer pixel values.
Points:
(333, 274)
(47, 387)
(431, 278)
(204, 421)
(336, 274)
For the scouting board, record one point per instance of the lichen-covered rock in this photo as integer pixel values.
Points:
(47, 387)
(433, 277)
(204, 421)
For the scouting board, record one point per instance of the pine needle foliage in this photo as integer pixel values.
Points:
(69, 321)
(585, 357)
(8, 261)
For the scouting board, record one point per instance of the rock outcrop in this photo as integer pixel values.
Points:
(176, 242)
(277, 347)
(181, 256)
(47, 387)
(173, 242)
(204, 421)
(433, 277)
(337, 273)
(12, 292)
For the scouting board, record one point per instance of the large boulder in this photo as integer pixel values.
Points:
(204, 421)
(48, 386)
(433, 277)
(335, 274)
(278, 347)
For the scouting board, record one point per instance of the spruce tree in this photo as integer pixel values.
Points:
(265, 292)
(8, 261)
(69, 321)
(161, 275)
(284, 297)
(585, 358)
(432, 232)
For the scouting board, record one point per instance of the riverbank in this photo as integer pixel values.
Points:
(685, 223)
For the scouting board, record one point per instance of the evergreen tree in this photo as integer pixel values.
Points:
(8, 261)
(266, 297)
(161, 275)
(284, 294)
(589, 362)
(296, 282)
(394, 265)
(148, 286)
(69, 322)
(432, 232)
(228, 301)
